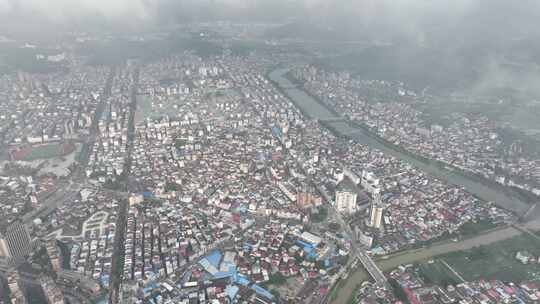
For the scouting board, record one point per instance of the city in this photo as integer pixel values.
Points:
(236, 168)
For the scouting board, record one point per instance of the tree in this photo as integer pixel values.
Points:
(398, 290)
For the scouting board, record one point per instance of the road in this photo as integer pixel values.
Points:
(119, 249)
(68, 190)
(391, 262)
(453, 271)
(412, 256)
(94, 130)
(356, 249)
(359, 253)
(64, 194)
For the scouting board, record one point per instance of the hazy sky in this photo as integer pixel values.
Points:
(414, 18)
(402, 14)
(488, 33)
(144, 9)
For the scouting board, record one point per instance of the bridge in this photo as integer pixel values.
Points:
(374, 271)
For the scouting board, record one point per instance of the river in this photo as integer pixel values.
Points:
(315, 110)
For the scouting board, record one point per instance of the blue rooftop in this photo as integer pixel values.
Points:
(262, 292)
(214, 258)
(307, 246)
(241, 279)
(231, 291)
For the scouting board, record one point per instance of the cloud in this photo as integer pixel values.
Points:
(416, 17)
(58, 9)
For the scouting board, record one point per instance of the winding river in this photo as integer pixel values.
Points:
(315, 110)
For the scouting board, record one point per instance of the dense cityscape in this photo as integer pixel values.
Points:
(258, 176)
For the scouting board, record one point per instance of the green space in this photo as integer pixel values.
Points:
(497, 260)
(91, 227)
(46, 151)
(115, 52)
(437, 273)
(471, 229)
(276, 279)
(467, 230)
(321, 215)
(179, 143)
(398, 290)
(144, 109)
(13, 58)
(516, 118)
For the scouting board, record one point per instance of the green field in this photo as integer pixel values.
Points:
(471, 229)
(438, 273)
(497, 261)
(45, 151)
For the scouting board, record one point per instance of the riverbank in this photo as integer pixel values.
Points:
(528, 199)
(512, 191)
(523, 195)
(313, 108)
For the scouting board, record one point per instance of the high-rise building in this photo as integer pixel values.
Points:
(376, 212)
(375, 219)
(16, 241)
(346, 201)
(4, 250)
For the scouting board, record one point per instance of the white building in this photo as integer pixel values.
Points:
(376, 212)
(351, 175)
(346, 201)
(375, 217)
(370, 182)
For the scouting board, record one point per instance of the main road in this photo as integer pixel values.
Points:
(119, 249)
(357, 251)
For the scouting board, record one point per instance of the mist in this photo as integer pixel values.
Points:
(414, 18)
(477, 37)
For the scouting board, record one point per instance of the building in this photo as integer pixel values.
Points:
(4, 250)
(351, 175)
(17, 242)
(86, 284)
(16, 293)
(54, 255)
(136, 199)
(307, 198)
(311, 238)
(376, 212)
(52, 292)
(370, 183)
(304, 199)
(287, 191)
(346, 201)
